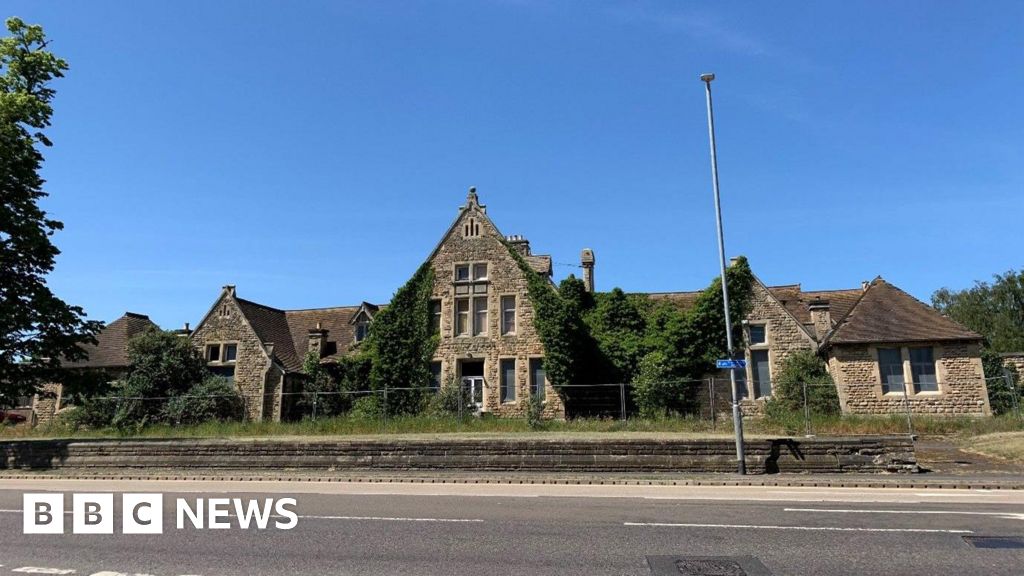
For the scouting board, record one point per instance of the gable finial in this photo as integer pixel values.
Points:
(473, 201)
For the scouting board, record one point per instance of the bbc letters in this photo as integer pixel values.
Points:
(95, 513)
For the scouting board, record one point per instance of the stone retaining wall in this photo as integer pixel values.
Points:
(859, 454)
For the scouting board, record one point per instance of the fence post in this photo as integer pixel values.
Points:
(385, 407)
(906, 402)
(1013, 391)
(622, 399)
(711, 395)
(314, 404)
(807, 412)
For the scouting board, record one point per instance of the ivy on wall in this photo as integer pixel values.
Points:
(617, 337)
(400, 346)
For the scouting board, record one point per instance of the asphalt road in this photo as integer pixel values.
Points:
(533, 529)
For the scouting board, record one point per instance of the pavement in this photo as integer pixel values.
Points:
(500, 528)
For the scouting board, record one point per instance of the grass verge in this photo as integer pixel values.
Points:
(793, 425)
(1002, 445)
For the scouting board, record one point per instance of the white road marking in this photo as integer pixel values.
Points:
(109, 573)
(39, 570)
(804, 528)
(393, 519)
(1006, 515)
(947, 494)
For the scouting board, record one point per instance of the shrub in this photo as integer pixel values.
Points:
(366, 407)
(656, 393)
(214, 398)
(535, 412)
(451, 400)
(803, 367)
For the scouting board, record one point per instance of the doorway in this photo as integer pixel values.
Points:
(472, 375)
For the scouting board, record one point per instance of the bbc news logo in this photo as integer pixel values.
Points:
(44, 513)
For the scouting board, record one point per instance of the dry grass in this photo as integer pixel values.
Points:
(422, 426)
(1003, 445)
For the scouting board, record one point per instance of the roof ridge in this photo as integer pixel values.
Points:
(243, 300)
(347, 306)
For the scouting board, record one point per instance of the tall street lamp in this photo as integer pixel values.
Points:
(737, 418)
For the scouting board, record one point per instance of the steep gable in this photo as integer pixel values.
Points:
(111, 348)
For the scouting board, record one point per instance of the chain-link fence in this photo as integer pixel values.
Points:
(696, 405)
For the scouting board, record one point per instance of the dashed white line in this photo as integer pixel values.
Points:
(1006, 515)
(804, 528)
(41, 570)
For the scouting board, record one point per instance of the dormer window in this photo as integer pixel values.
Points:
(362, 330)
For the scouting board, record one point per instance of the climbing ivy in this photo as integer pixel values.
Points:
(618, 337)
(400, 346)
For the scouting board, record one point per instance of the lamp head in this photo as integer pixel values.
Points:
(707, 77)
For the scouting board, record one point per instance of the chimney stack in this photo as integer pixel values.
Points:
(587, 262)
(317, 340)
(864, 285)
(520, 244)
(821, 317)
(230, 289)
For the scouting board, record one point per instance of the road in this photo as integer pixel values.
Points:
(422, 529)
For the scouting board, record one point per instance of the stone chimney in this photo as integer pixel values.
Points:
(186, 331)
(317, 340)
(864, 285)
(230, 290)
(821, 317)
(587, 262)
(520, 244)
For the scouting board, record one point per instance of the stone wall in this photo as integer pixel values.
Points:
(504, 278)
(1013, 360)
(783, 336)
(829, 455)
(854, 367)
(253, 367)
(46, 403)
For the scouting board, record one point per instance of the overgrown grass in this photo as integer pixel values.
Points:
(1003, 445)
(792, 425)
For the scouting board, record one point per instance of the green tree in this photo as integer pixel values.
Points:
(800, 368)
(37, 329)
(994, 310)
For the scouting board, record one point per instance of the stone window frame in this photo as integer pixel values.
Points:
(748, 372)
(475, 288)
(529, 378)
(501, 380)
(501, 314)
(908, 383)
(220, 355)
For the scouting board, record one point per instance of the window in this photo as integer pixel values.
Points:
(922, 370)
(471, 228)
(230, 352)
(225, 372)
(890, 366)
(479, 272)
(537, 377)
(435, 316)
(213, 353)
(508, 315)
(757, 334)
(508, 380)
(762, 373)
(462, 273)
(462, 317)
(480, 316)
(224, 311)
(435, 375)
(362, 330)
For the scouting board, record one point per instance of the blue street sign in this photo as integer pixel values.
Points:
(731, 364)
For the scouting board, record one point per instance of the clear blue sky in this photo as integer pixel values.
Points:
(313, 153)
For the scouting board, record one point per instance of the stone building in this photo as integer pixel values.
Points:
(261, 349)
(107, 360)
(882, 347)
(484, 317)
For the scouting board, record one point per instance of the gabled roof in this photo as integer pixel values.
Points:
(797, 302)
(884, 313)
(540, 263)
(271, 326)
(111, 348)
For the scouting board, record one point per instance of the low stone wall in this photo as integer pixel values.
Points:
(830, 455)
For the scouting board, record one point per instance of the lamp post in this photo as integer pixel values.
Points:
(737, 418)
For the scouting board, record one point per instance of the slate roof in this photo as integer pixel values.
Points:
(289, 330)
(881, 313)
(884, 313)
(111, 348)
(540, 263)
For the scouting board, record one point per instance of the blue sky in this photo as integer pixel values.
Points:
(313, 153)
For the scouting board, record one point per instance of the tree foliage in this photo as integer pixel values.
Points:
(801, 368)
(37, 329)
(994, 310)
(401, 346)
